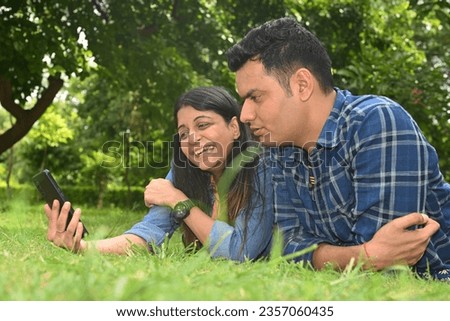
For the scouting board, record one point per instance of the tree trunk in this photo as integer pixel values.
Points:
(25, 118)
(9, 172)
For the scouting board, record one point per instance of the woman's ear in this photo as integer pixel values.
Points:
(303, 83)
(234, 126)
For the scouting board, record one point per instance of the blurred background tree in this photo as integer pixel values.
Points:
(87, 87)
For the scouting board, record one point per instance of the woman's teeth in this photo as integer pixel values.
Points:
(203, 150)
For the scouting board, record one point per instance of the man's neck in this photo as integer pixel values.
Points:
(320, 107)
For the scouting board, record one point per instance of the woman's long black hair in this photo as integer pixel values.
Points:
(194, 182)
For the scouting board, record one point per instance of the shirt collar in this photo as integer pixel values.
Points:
(329, 136)
(289, 155)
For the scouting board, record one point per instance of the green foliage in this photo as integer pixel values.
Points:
(119, 197)
(137, 57)
(41, 37)
(52, 129)
(50, 143)
(82, 196)
(391, 48)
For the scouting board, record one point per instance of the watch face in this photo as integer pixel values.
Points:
(182, 209)
(180, 212)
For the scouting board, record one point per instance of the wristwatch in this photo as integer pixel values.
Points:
(182, 209)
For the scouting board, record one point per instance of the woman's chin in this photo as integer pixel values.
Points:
(212, 166)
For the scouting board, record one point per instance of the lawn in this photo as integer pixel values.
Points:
(35, 270)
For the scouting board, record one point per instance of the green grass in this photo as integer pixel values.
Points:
(33, 269)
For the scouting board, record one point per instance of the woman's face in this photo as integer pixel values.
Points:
(205, 138)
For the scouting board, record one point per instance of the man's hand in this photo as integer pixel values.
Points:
(57, 233)
(394, 243)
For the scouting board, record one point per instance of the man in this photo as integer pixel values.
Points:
(359, 164)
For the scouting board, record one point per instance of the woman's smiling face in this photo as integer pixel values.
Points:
(206, 138)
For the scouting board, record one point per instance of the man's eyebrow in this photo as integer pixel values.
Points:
(248, 94)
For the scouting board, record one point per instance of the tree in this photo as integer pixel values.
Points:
(148, 48)
(138, 56)
(40, 44)
(141, 55)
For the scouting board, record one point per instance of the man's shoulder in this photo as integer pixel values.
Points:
(365, 103)
(368, 113)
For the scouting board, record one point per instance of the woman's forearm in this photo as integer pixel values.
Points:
(116, 245)
(200, 224)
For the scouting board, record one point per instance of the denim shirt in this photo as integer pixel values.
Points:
(224, 240)
(371, 164)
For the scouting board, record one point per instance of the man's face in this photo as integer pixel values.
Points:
(267, 108)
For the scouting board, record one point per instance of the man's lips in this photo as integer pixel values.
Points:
(257, 131)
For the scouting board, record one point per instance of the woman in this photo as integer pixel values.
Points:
(209, 137)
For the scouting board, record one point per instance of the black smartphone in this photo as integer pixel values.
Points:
(50, 191)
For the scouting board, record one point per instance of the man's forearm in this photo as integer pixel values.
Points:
(338, 256)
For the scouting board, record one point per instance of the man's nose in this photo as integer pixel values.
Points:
(247, 112)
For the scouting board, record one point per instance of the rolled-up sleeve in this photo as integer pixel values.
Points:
(250, 237)
(156, 225)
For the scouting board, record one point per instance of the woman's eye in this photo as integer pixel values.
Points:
(202, 125)
(183, 135)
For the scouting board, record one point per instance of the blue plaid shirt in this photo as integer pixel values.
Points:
(371, 164)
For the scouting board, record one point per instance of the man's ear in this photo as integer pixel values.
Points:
(303, 83)
(234, 125)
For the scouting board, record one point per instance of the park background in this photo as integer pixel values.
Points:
(87, 90)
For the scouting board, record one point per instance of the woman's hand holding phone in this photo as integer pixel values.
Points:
(70, 238)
